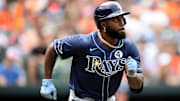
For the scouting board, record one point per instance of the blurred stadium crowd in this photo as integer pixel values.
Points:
(28, 26)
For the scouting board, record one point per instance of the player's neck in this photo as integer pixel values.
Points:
(103, 36)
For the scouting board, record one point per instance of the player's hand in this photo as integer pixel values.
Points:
(131, 67)
(48, 89)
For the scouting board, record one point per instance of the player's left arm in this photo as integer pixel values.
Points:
(136, 83)
(134, 70)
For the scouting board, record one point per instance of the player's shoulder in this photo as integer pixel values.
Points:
(128, 42)
(76, 37)
(84, 38)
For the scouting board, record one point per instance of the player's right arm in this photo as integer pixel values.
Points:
(50, 59)
(48, 89)
(63, 48)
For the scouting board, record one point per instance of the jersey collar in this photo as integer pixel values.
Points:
(119, 44)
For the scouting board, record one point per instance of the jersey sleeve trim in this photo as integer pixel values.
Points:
(55, 48)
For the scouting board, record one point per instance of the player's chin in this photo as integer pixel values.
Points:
(121, 35)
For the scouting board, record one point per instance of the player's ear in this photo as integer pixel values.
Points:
(103, 24)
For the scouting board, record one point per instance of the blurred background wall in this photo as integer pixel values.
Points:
(28, 26)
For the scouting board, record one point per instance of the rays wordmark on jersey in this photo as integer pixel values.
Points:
(105, 68)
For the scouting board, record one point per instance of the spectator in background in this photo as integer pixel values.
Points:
(37, 51)
(3, 45)
(169, 62)
(5, 19)
(172, 8)
(17, 14)
(11, 74)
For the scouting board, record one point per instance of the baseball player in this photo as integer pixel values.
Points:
(99, 59)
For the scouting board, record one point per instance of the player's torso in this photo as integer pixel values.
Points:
(98, 69)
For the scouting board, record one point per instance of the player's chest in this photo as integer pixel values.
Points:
(106, 63)
(107, 55)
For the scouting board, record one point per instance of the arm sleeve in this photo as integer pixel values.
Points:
(134, 53)
(68, 46)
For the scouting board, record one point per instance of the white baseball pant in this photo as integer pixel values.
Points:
(73, 97)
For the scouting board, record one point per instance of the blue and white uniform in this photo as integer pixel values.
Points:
(96, 71)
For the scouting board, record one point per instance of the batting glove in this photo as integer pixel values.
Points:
(48, 89)
(131, 67)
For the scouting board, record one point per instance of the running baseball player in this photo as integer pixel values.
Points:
(99, 59)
